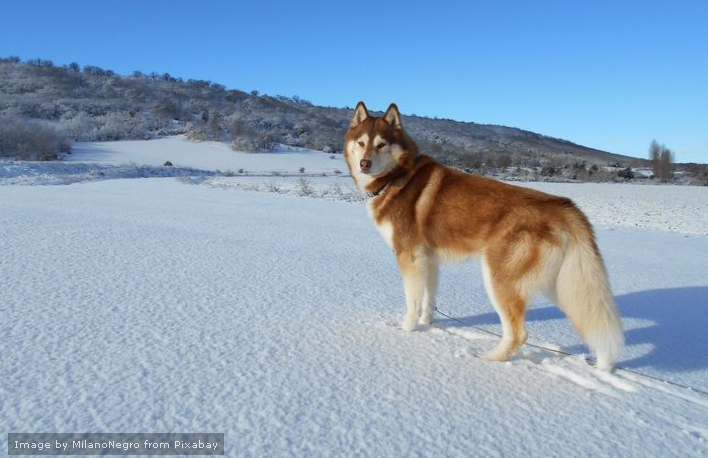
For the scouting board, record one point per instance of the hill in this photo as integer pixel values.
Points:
(46, 105)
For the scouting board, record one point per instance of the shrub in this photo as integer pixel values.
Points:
(626, 173)
(304, 188)
(120, 125)
(264, 142)
(81, 127)
(273, 187)
(699, 174)
(28, 140)
(196, 133)
(548, 170)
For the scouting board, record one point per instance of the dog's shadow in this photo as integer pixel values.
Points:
(674, 325)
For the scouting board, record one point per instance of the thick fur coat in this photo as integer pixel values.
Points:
(528, 241)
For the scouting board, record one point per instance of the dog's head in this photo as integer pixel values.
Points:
(375, 146)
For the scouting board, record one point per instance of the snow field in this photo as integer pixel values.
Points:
(151, 305)
(206, 155)
(681, 209)
(243, 305)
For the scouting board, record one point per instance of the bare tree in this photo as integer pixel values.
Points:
(655, 156)
(666, 164)
(662, 161)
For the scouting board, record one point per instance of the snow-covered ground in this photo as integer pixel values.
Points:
(205, 155)
(93, 161)
(679, 209)
(225, 304)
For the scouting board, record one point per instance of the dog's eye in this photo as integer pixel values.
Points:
(380, 145)
(361, 144)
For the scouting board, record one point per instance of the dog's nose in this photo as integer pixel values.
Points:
(365, 165)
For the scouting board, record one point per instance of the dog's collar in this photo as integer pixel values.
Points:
(379, 192)
(390, 177)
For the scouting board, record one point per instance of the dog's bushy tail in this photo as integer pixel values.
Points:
(583, 292)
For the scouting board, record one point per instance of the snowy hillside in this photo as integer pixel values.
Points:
(92, 103)
(231, 304)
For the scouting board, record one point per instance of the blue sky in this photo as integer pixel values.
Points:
(607, 74)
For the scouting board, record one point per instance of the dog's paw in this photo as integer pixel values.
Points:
(498, 353)
(605, 364)
(408, 325)
(425, 319)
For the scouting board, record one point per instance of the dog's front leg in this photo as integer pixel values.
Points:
(413, 273)
(431, 287)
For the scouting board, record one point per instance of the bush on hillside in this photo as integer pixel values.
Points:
(27, 140)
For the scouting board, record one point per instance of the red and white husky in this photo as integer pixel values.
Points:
(528, 241)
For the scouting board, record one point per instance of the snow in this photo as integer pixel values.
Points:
(28, 173)
(211, 304)
(205, 155)
(681, 209)
(678, 209)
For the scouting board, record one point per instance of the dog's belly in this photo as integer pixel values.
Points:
(452, 256)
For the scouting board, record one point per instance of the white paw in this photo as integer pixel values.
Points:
(408, 325)
(426, 319)
(498, 353)
(604, 364)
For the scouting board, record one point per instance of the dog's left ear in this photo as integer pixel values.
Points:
(393, 117)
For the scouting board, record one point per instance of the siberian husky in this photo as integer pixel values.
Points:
(528, 241)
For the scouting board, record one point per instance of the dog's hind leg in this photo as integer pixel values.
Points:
(413, 269)
(431, 287)
(511, 307)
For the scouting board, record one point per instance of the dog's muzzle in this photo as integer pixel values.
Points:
(365, 165)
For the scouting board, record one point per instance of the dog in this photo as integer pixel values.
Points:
(528, 241)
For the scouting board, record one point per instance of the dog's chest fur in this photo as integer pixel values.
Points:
(384, 227)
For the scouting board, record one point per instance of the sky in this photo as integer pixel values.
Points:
(611, 75)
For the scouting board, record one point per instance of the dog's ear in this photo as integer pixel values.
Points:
(361, 114)
(393, 117)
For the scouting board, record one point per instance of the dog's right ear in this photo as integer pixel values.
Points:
(361, 114)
